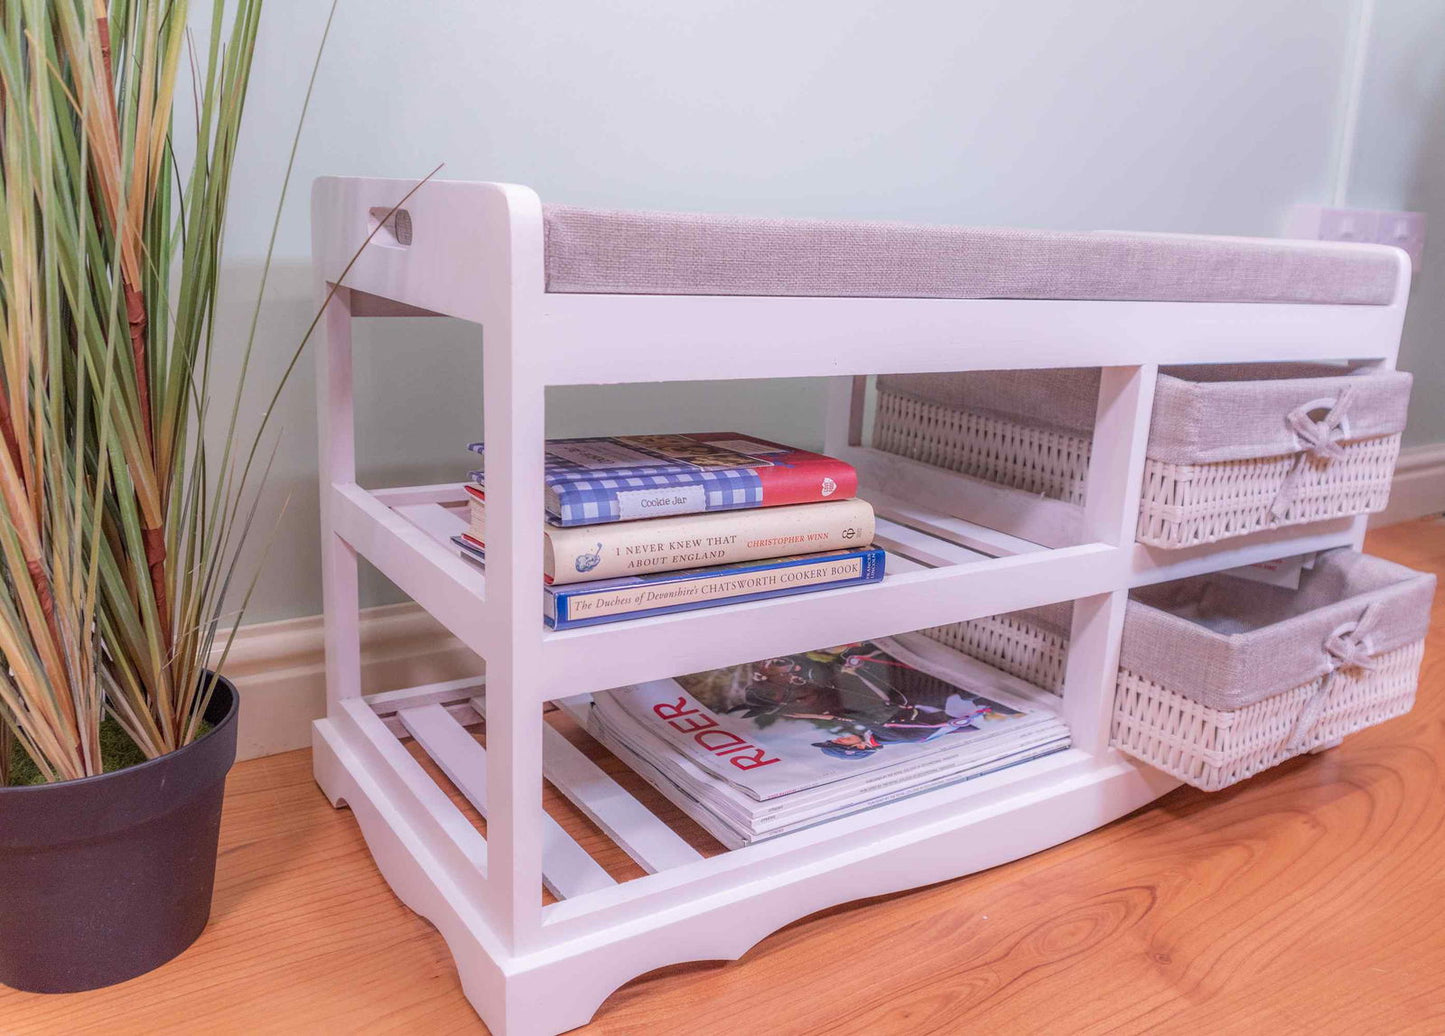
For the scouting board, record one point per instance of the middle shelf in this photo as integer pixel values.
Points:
(940, 569)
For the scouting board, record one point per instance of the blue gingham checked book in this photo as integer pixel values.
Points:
(621, 478)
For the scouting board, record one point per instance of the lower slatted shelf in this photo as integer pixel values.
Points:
(591, 820)
(567, 870)
(639, 833)
(603, 824)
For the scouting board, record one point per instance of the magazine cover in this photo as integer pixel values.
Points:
(788, 724)
(737, 830)
(622, 478)
(747, 813)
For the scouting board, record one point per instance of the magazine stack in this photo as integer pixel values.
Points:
(649, 524)
(760, 750)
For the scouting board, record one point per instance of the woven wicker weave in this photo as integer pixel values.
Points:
(1186, 504)
(1182, 504)
(1014, 643)
(1213, 748)
(1036, 460)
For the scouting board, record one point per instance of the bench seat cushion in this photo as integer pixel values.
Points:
(661, 253)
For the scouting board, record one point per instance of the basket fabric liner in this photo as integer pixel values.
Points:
(1228, 642)
(1203, 414)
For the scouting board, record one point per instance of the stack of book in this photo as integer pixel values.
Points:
(764, 749)
(648, 524)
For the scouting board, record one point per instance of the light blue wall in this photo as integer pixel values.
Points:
(1398, 162)
(1203, 115)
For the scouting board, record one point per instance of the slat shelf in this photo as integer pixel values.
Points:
(989, 542)
(387, 703)
(677, 875)
(459, 711)
(463, 848)
(436, 717)
(567, 869)
(913, 595)
(638, 832)
(427, 570)
(660, 646)
(940, 570)
(829, 844)
(921, 547)
(452, 695)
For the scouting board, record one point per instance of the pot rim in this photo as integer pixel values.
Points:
(79, 782)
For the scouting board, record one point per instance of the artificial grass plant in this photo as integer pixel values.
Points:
(119, 526)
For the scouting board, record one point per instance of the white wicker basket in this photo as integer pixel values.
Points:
(1047, 461)
(1214, 748)
(1232, 449)
(1222, 677)
(1222, 706)
(1032, 645)
(1186, 504)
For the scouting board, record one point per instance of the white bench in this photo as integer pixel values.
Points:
(574, 297)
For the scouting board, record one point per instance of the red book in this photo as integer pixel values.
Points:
(620, 478)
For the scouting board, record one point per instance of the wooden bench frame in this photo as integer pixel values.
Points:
(474, 251)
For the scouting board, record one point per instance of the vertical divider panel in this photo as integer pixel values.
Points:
(337, 456)
(1111, 514)
(510, 229)
(1092, 668)
(1116, 465)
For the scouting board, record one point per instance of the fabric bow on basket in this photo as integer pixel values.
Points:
(1347, 647)
(1321, 440)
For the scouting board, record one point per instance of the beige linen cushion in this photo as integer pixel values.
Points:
(668, 253)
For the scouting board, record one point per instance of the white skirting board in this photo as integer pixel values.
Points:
(1419, 485)
(278, 668)
(278, 665)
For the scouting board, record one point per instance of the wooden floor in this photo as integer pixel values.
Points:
(1309, 900)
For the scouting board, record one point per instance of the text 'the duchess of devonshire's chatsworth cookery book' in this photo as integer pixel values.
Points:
(660, 593)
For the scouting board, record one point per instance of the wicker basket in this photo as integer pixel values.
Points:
(1214, 748)
(1048, 461)
(1222, 677)
(1232, 448)
(1032, 644)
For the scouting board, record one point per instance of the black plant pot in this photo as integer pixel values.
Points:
(109, 877)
